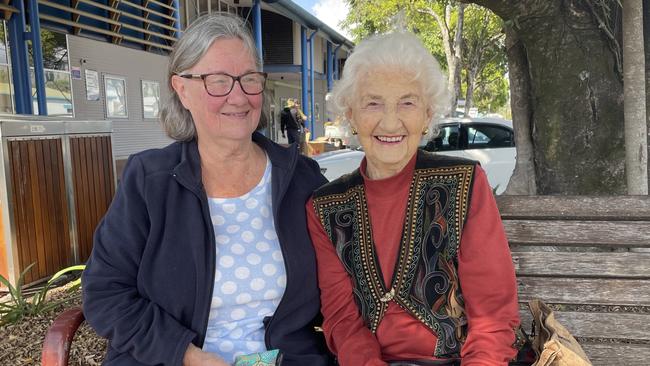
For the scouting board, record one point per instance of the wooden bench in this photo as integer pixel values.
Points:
(588, 258)
(597, 276)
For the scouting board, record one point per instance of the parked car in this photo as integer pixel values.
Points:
(487, 140)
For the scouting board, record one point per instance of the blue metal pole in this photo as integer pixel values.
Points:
(257, 26)
(19, 61)
(177, 16)
(303, 66)
(330, 65)
(336, 62)
(312, 90)
(39, 72)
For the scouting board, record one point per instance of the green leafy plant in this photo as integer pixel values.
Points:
(74, 285)
(20, 305)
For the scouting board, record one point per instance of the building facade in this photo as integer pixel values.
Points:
(107, 60)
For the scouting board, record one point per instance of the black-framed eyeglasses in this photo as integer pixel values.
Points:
(219, 84)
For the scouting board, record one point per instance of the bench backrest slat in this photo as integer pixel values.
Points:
(623, 354)
(599, 325)
(585, 291)
(581, 264)
(578, 233)
(616, 208)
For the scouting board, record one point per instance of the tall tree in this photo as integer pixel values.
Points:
(484, 57)
(442, 24)
(646, 37)
(522, 181)
(452, 39)
(572, 54)
(377, 16)
(636, 128)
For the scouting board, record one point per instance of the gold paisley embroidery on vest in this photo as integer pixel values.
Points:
(362, 266)
(440, 308)
(445, 316)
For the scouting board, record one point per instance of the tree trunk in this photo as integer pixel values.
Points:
(471, 82)
(458, 54)
(575, 93)
(636, 130)
(522, 181)
(646, 37)
(452, 64)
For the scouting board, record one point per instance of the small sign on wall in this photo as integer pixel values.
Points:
(115, 94)
(150, 99)
(75, 72)
(92, 85)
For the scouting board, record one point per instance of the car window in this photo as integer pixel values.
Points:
(488, 137)
(447, 139)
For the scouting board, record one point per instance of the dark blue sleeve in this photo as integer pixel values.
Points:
(111, 301)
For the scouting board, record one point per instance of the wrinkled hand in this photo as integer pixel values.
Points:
(195, 356)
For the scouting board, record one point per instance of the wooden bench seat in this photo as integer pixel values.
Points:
(588, 258)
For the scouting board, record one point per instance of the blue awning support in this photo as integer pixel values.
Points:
(330, 65)
(19, 60)
(336, 62)
(177, 16)
(37, 54)
(312, 90)
(303, 67)
(257, 28)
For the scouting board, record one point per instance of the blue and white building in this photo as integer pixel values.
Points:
(107, 59)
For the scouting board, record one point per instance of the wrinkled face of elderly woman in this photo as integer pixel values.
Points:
(230, 117)
(390, 114)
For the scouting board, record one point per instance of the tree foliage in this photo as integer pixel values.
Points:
(478, 54)
(484, 60)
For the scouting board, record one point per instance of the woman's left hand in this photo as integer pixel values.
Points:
(195, 356)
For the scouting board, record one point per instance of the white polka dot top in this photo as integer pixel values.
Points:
(250, 276)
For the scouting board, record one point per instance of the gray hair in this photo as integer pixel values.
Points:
(401, 50)
(188, 51)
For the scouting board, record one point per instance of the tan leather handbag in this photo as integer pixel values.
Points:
(553, 343)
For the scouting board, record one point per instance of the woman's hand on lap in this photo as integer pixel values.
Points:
(195, 356)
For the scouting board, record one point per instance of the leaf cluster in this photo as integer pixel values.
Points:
(20, 305)
(483, 37)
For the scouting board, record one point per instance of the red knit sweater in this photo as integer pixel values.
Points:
(485, 272)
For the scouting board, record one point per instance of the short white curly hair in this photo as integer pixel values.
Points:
(403, 51)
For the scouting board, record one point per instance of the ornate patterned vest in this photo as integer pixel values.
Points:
(425, 281)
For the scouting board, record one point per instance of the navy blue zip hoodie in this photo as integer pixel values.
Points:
(148, 283)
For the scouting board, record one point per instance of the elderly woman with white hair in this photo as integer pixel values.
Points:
(204, 256)
(413, 263)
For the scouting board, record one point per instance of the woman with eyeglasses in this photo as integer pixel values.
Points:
(204, 256)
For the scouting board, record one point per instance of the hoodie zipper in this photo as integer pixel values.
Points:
(276, 219)
(211, 254)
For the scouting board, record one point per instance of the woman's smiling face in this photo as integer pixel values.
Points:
(234, 116)
(390, 115)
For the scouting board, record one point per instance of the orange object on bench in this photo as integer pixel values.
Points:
(58, 339)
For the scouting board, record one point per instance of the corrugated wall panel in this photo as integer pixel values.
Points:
(134, 133)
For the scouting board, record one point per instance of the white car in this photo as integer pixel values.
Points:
(489, 141)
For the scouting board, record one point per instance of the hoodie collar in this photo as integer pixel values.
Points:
(283, 160)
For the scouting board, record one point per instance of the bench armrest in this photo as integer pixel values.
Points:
(58, 339)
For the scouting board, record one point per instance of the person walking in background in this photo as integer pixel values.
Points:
(204, 258)
(413, 263)
(291, 122)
